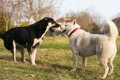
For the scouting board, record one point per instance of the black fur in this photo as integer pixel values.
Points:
(24, 36)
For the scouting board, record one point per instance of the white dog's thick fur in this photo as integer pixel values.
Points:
(86, 44)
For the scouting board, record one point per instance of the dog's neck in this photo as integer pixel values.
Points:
(72, 31)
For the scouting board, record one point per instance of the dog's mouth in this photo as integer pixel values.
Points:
(56, 25)
(52, 29)
(63, 31)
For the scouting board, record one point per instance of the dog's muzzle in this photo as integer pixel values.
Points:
(52, 29)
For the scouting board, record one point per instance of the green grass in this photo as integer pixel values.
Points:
(55, 43)
(54, 61)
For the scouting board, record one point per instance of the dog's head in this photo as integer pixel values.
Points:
(69, 26)
(51, 24)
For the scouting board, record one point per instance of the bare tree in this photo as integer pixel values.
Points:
(9, 11)
(1, 13)
(16, 11)
(40, 8)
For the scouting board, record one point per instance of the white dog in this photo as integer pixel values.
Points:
(86, 44)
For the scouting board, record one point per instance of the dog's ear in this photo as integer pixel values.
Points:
(74, 21)
(46, 18)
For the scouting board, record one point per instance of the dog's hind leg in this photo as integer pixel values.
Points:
(33, 56)
(110, 64)
(21, 50)
(104, 63)
(22, 55)
(75, 61)
(14, 51)
(84, 62)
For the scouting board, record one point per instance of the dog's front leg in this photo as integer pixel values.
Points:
(14, 55)
(84, 62)
(14, 51)
(33, 56)
(75, 61)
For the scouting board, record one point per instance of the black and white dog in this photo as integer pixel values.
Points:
(28, 37)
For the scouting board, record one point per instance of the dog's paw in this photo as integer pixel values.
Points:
(109, 73)
(102, 77)
(23, 60)
(15, 61)
(99, 77)
(33, 64)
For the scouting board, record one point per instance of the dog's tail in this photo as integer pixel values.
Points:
(113, 31)
(2, 35)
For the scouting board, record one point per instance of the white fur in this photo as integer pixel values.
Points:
(113, 30)
(86, 44)
(37, 41)
(40, 39)
(33, 56)
(14, 51)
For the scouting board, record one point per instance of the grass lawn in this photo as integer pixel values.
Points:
(54, 61)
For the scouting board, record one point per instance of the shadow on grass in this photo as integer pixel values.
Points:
(78, 74)
(58, 68)
(6, 58)
(63, 67)
(10, 58)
